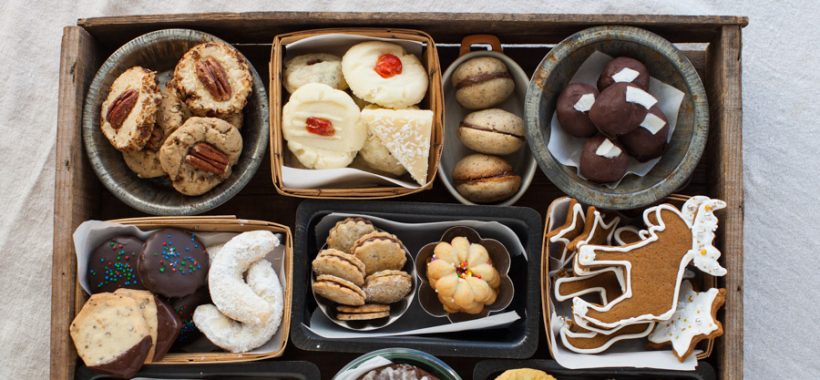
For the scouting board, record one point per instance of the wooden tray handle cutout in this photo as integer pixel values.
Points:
(473, 39)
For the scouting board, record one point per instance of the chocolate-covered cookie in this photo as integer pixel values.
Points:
(602, 160)
(620, 108)
(169, 326)
(113, 265)
(624, 70)
(649, 140)
(184, 309)
(173, 263)
(572, 109)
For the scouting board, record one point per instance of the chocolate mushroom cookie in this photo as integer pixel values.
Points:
(128, 114)
(199, 155)
(213, 79)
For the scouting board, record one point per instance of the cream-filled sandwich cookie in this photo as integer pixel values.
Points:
(385, 74)
(322, 128)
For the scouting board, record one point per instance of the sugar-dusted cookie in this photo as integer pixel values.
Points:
(387, 286)
(694, 320)
(654, 266)
(346, 231)
(338, 290)
(406, 133)
(314, 68)
(111, 335)
(379, 251)
(339, 264)
(200, 154)
(213, 79)
(128, 113)
(583, 341)
(322, 128)
(385, 74)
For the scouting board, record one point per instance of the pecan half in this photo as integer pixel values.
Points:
(211, 73)
(121, 107)
(206, 157)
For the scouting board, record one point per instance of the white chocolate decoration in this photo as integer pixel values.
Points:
(608, 149)
(652, 123)
(636, 95)
(625, 75)
(693, 317)
(584, 103)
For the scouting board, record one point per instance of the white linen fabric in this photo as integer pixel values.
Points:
(780, 151)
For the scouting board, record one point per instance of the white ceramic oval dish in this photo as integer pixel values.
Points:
(522, 161)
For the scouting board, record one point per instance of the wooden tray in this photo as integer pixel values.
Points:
(712, 43)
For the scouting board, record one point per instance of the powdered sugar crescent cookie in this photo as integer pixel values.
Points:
(243, 337)
(213, 79)
(694, 320)
(128, 114)
(322, 128)
(314, 68)
(200, 154)
(385, 74)
(231, 294)
(655, 266)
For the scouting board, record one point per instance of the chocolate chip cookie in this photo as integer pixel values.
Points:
(199, 155)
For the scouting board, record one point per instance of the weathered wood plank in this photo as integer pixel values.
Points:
(75, 190)
(726, 174)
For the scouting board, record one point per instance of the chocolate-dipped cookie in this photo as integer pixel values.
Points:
(624, 70)
(173, 263)
(602, 160)
(184, 309)
(620, 108)
(482, 82)
(169, 326)
(113, 265)
(649, 140)
(485, 179)
(572, 109)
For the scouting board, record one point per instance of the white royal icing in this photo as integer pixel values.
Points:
(597, 223)
(601, 291)
(652, 123)
(566, 333)
(703, 253)
(584, 103)
(637, 95)
(560, 237)
(625, 75)
(608, 149)
(692, 318)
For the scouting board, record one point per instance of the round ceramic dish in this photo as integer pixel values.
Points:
(522, 161)
(420, 359)
(500, 257)
(160, 51)
(397, 309)
(664, 62)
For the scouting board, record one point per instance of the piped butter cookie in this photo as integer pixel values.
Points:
(199, 155)
(128, 114)
(213, 79)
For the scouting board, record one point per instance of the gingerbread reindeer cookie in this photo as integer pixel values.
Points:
(583, 341)
(654, 267)
(598, 230)
(694, 320)
(566, 233)
(607, 284)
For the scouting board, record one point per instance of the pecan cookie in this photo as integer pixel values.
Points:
(145, 163)
(199, 155)
(128, 114)
(213, 79)
(173, 112)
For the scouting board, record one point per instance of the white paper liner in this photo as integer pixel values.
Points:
(92, 233)
(567, 149)
(627, 353)
(361, 369)
(322, 326)
(296, 178)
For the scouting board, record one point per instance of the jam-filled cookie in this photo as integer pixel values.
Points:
(199, 155)
(385, 74)
(128, 114)
(314, 68)
(213, 79)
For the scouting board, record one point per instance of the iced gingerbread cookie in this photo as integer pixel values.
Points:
(200, 154)
(213, 79)
(385, 74)
(580, 340)
(322, 128)
(128, 114)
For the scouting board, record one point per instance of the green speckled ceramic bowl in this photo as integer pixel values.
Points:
(160, 51)
(664, 62)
